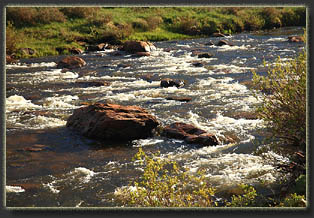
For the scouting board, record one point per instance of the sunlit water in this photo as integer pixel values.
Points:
(71, 170)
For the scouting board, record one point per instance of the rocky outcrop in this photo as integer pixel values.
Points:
(85, 84)
(165, 83)
(190, 134)
(295, 39)
(138, 46)
(10, 59)
(98, 47)
(112, 122)
(224, 42)
(71, 62)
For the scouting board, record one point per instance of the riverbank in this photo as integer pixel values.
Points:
(45, 31)
(47, 160)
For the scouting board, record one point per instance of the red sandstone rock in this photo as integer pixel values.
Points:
(190, 134)
(112, 122)
(138, 46)
(71, 62)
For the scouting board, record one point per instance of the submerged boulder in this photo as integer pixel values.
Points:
(165, 83)
(112, 122)
(190, 134)
(98, 47)
(91, 83)
(224, 42)
(142, 54)
(71, 62)
(138, 46)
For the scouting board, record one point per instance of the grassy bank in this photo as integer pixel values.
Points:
(51, 30)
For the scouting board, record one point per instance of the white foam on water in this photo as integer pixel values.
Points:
(42, 122)
(52, 187)
(223, 170)
(52, 75)
(58, 102)
(14, 189)
(231, 68)
(276, 39)
(235, 47)
(19, 103)
(83, 174)
(87, 78)
(146, 142)
(42, 64)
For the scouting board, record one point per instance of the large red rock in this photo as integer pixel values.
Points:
(10, 60)
(71, 62)
(112, 122)
(295, 39)
(190, 134)
(138, 46)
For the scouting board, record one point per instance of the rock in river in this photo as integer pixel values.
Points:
(224, 42)
(190, 134)
(113, 122)
(295, 39)
(71, 62)
(165, 83)
(138, 46)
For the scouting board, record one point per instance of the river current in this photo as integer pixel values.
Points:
(48, 165)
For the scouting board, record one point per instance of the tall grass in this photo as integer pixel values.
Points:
(114, 25)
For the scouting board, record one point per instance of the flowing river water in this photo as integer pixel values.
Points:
(48, 165)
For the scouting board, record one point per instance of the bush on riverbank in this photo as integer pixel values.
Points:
(164, 183)
(284, 100)
(55, 27)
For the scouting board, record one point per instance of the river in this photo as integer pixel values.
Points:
(48, 165)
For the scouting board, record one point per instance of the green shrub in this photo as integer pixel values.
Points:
(187, 25)
(48, 15)
(209, 27)
(30, 16)
(300, 185)
(293, 200)
(272, 17)
(165, 184)
(100, 19)
(11, 39)
(80, 12)
(21, 16)
(153, 22)
(253, 22)
(294, 16)
(284, 108)
(140, 24)
(247, 199)
(111, 33)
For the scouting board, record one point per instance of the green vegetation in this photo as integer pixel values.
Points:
(46, 28)
(165, 183)
(284, 100)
